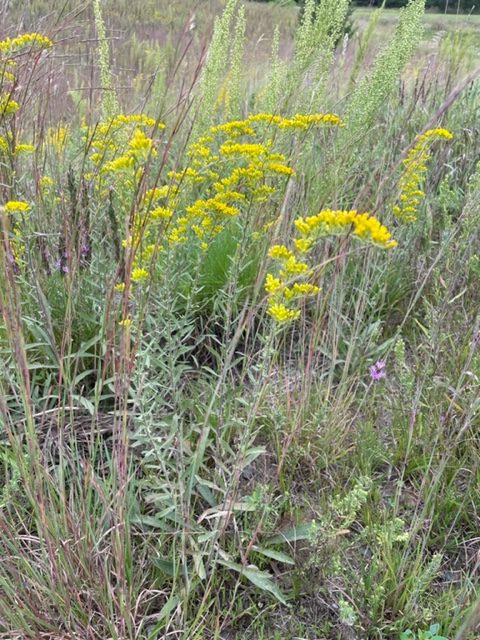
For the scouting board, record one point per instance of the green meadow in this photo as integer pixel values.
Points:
(239, 321)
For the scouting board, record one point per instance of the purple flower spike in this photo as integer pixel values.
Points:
(377, 371)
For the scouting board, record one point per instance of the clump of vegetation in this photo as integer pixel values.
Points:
(239, 330)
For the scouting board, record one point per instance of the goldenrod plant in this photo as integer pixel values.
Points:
(239, 321)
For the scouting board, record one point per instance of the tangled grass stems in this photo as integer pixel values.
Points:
(199, 464)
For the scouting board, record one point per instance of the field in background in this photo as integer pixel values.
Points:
(146, 38)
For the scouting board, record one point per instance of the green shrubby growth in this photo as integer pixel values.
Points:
(239, 375)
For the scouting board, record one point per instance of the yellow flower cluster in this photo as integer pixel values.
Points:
(9, 145)
(330, 222)
(8, 107)
(16, 206)
(229, 168)
(57, 137)
(290, 285)
(415, 168)
(9, 48)
(152, 215)
(234, 168)
(124, 134)
(236, 128)
(13, 45)
(298, 121)
(285, 289)
(121, 149)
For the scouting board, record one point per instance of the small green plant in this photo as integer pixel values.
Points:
(430, 634)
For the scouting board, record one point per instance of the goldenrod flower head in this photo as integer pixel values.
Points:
(280, 252)
(272, 284)
(282, 313)
(13, 45)
(140, 142)
(24, 148)
(293, 267)
(139, 274)
(136, 118)
(46, 182)
(415, 164)
(154, 195)
(299, 121)
(7, 76)
(161, 213)
(17, 206)
(267, 118)
(436, 133)
(8, 107)
(305, 289)
(124, 163)
(3, 144)
(303, 245)
(329, 222)
(249, 149)
(290, 285)
(284, 169)
(97, 157)
(234, 128)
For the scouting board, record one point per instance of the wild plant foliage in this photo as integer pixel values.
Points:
(239, 335)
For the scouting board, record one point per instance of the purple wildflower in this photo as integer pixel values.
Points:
(377, 370)
(61, 266)
(85, 250)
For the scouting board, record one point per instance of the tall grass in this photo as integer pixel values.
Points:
(231, 405)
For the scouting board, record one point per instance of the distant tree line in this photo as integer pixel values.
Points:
(464, 6)
(452, 6)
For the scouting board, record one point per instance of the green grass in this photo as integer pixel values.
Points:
(173, 463)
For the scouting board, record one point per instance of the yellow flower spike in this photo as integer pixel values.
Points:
(126, 323)
(140, 142)
(234, 128)
(97, 157)
(436, 133)
(415, 167)
(6, 76)
(281, 289)
(284, 169)
(329, 222)
(293, 268)
(305, 289)
(248, 149)
(24, 148)
(120, 287)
